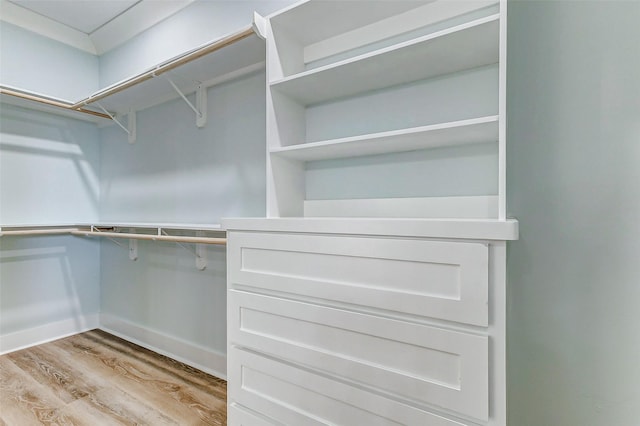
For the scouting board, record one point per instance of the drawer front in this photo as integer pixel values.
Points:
(293, 396)
(433, 366)
(443, 280)
(239, 416)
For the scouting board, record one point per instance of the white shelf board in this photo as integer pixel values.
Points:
(241, 54)
(482, 229)
(307, 21)
(148, 225)
(477, 130)
(465, 46)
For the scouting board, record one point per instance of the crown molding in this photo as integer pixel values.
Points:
(134, 21)
(31, 21)
(119, 30)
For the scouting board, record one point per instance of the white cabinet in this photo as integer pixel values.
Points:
(374, 291)
(328, 328)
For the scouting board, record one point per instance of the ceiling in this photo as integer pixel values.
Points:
(95, 26)
(85, 16)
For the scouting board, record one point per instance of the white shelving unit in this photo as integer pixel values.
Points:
(365, 310)
(312, 77)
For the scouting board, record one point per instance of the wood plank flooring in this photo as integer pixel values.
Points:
(95, 378)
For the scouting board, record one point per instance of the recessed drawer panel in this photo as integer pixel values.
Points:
(444, 280)
(240, 416)
(427, 364)
(294, 396)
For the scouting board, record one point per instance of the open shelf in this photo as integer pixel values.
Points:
(477, 130)
(243, 53)
(137, 225)
(306, 22)
(149, 225)
(475, 44)
(220, 60)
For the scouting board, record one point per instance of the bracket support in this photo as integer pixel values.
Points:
(200, 252)
(201, 259)
(201, 101)
(130, 129)
(133, 246)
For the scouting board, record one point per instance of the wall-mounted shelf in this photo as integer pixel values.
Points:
(163, 232)
(476, 43)
(94, 228)
(224, 59)
(228, 57)
(479, 130)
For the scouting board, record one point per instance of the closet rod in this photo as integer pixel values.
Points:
(39, 231)
(170, 238)
(160, 69)
(50, 102)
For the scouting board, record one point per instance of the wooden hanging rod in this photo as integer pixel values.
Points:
(169, 238)
(168, 66)
(27, 232)
(50, 102)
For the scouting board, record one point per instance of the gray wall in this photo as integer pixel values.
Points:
(49, 168)
(178, 173)
(49, 172)
(38, 64)
(574, 184)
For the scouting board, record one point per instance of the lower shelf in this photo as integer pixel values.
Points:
(477, 130)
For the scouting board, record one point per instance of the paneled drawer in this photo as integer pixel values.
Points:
(430, 365)
(438, 279)
(294, 396)
(240, 416)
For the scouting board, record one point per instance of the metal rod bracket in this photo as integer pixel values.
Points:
(201, 259)
(114, 118)
(201, 101)
(133, 246)
(132, 127)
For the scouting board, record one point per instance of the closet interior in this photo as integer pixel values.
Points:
(312, 207)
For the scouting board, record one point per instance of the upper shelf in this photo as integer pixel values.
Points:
(307, 22)
(210, 64)
(477, 130)
(459, 48)
(226, 58)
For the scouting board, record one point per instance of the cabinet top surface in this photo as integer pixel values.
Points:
(481, 229)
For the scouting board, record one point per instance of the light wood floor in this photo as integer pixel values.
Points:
(95, 379)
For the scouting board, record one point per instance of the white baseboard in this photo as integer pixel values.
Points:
(204, 359)
(46, 333)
